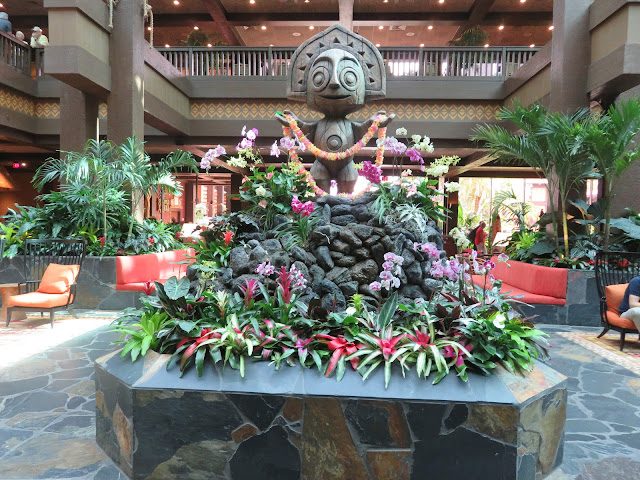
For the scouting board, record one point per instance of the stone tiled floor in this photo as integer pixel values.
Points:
(47, 423)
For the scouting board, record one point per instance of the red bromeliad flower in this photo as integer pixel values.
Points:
(149, 286)
(249, 290)
(102, 240)
(205, 334)
(459, 354)
(284, 282)
(388, 345)
(340, 348)
(421, 339)
(151, 240)
(228, 236)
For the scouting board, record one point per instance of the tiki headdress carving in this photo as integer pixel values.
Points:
(337, 37)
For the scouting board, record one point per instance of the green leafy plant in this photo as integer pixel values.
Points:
(609, 141)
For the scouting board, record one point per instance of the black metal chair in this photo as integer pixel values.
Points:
(615, 268)
(38, 255)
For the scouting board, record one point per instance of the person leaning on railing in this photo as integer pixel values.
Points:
(38, 39)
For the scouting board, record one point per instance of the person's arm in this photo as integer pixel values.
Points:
(634, 301)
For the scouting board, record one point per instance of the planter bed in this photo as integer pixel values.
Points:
(296, 424)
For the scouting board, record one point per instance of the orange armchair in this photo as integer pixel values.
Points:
(57, 264)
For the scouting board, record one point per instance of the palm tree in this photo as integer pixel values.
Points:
(609, 141)
(571, 166)
(145, 178)
(96, 167)
(545, 144)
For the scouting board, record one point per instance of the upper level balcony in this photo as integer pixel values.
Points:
(413, 62)
(401, 62)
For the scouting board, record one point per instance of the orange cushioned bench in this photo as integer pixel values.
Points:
(536, 284)
(132, 272)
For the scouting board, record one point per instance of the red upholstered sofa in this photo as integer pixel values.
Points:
(536, 284)
(132, 272)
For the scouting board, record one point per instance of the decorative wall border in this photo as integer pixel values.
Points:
(420, 111)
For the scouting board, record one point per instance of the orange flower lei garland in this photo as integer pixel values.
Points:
(333, 156)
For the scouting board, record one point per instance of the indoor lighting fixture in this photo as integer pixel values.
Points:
(532, 45)
(209, 45)
(440, 1)
(149, 28)
(1, 5)
(311, 27)
(523, 1)
(385, 1)
(380, 27)
(430, 27)
(23, 164)
(296, 34)
(196, 28)
(486, 45)
(551, 27)
(263, 27)
(306, 1)
(421, 45)
(176, 2)
(410, 34)
(377, 45)
(501, 27)
(166, 45)
(271, 44)
(252, 2)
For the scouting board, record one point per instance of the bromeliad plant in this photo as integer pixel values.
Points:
(460, 328)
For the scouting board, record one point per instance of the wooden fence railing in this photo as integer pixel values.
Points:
(15, 53)
(400, 62)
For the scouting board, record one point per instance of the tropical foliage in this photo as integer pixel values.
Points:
(94, 200)
(461, 327)
(568, 149)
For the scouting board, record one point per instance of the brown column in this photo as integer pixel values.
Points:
(78, 118)
(626, 188)
(235, 205)
(570, 55)
(346, 13)
(126, 100)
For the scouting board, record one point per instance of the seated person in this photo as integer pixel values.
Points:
(630, 306)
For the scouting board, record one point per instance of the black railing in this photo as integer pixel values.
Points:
(400, 62)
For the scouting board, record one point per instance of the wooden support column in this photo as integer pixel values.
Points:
(570, 55)
(126, 100)
(346, 13)
(78, 118)
(235, 204)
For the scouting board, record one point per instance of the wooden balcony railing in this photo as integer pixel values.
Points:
(15, 53)
(400, 62)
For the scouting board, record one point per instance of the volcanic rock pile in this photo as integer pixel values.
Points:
(343, 255)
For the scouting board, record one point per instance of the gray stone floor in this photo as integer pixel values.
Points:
(47, 423)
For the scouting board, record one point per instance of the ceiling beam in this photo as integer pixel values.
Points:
(217, 12)
(362, 19)
(477, 14)
(393, 18)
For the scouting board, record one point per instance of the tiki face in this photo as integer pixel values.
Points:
(336, 84)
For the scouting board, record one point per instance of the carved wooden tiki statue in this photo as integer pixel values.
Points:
(335, 72)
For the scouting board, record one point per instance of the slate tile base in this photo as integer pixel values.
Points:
(173, 432)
